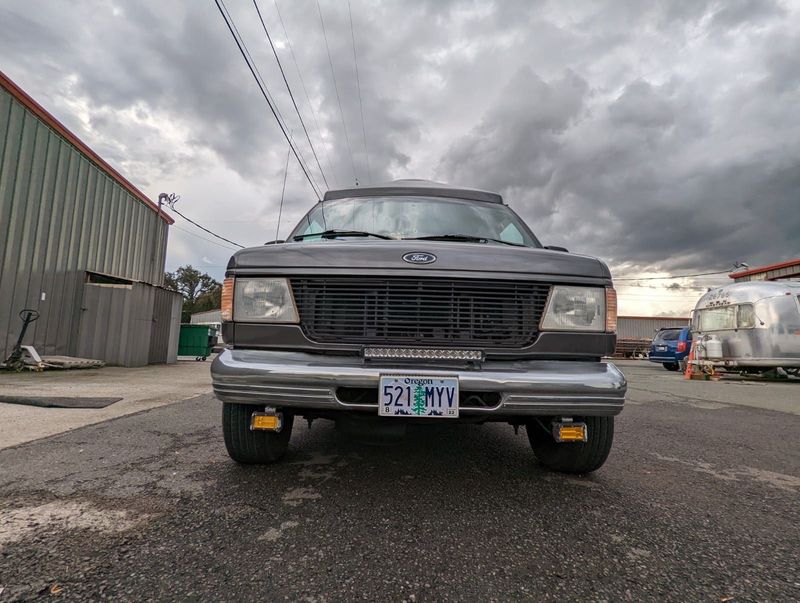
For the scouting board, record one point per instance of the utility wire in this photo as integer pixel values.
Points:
(265, 89)
(283, 192)
(189, 232)
(360, 99)
(249, 58)
(305, 89)
(289, 89)
(336, 88)
(262, 87)
(172, 199)
(656, 278)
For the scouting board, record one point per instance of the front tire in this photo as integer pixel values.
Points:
(253, 447)
(573, 457)
(671, 366)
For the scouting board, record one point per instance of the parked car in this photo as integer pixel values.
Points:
(416, 302)
(671, 346)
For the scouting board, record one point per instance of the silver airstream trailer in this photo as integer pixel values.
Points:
(753, 326)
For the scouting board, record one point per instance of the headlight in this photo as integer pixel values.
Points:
(263, 300)
(575, 309)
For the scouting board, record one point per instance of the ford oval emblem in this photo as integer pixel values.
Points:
(419, 257)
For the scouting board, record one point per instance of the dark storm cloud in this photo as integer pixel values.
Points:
(692, 172)
(172, 63)
(661, 136)
(516, 142)
(183, 64)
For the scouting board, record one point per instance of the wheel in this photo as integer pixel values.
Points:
(253, 447)
(573, 457)
(670, 366)
(204, 358)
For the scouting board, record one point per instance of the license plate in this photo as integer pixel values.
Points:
(418, 396)
(661, 348)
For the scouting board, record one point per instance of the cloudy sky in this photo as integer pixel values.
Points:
(663, 137)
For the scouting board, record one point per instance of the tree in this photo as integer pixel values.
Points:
(419, 401)
(200, 291)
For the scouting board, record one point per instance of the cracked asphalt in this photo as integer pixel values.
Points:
(697, 502)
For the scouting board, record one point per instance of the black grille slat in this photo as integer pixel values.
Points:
(399, 311)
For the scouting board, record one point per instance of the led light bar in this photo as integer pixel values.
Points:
(422, 354)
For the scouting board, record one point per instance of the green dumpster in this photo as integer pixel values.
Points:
(197, 341)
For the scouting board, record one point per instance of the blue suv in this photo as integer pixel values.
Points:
(671, 346)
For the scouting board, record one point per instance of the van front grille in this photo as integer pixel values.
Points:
(420, 311)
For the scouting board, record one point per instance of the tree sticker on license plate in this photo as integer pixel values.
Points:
(418, 396)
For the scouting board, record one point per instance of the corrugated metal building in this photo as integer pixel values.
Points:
(782, 271)
(79, 244)
(645, 327)
(634, 333)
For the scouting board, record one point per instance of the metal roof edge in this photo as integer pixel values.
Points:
(767, 268)
(654, 318)
(44, 115)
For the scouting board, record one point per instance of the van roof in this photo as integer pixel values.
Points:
(414, 188)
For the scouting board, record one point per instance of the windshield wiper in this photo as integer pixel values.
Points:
(463, 237)
(333, 233)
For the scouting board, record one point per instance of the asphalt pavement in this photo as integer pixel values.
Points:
(697, 502)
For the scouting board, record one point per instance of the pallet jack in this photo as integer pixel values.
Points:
(24, 356)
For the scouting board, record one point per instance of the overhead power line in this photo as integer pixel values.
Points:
(336, 88)
(673, 276)
(289, 89)
(261, 82)
(266, 93)
(171, 199)
(249, 58)
(305, 89)
(189, 232)
(263, 88)
(358, 86)
(283, 192)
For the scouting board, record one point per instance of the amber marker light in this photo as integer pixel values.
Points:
(261, 421)
(571, 432)
(611, 310)
(227, 299)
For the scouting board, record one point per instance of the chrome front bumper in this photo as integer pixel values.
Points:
(529, 387)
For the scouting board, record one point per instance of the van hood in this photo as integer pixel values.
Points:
(370, 255)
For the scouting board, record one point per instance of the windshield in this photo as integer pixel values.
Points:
(724, 318)
(669, 335)
(414, 217)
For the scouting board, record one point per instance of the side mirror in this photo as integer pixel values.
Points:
(556, 248)
(275, 242)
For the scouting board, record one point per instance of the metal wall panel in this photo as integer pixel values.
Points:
(127, 325)
(61, 216)
(163, 327)
(104, 321)
(638, 327)
(175, 329)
